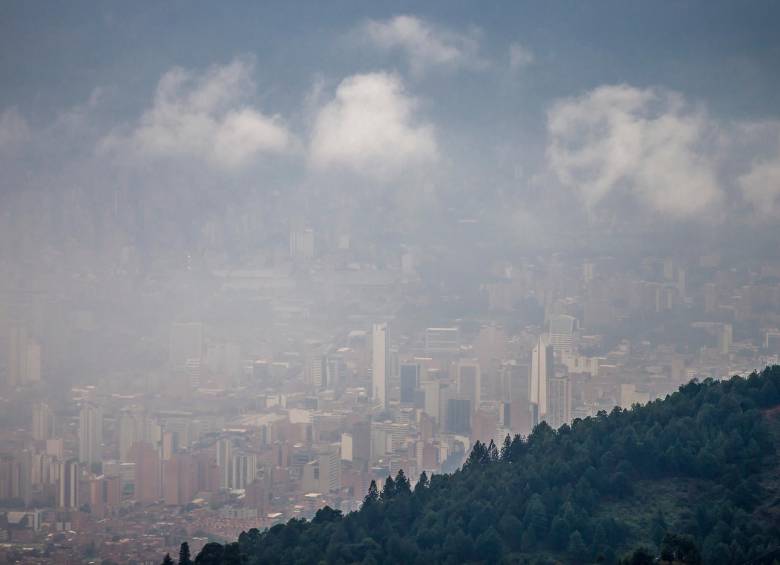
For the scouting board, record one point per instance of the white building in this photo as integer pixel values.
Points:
(541, 371)
(380, 363)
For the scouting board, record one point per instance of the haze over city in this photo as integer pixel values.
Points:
(257, 258)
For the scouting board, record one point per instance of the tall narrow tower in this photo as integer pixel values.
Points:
(90, 434)
(541, 371)
(380, 363)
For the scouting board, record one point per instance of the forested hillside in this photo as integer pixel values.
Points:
(691, 478)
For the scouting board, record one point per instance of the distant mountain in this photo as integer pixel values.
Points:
(692, 478)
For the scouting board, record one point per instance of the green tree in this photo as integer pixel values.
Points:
(422, 482)
(577, 549)
(559, 533)
(372, 495)
(402, 485)
(682, 548)
(167, 560)
(658, 527)
(488, 546)
(211, 554)
(641, 556)
(388, 491)
(184, 554)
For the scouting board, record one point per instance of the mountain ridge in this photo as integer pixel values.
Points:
(690, 478)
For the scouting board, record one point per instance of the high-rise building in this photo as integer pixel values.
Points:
(514, 382)
(323, 473)
(301, 243)
(17, 357)
(180, 479)
(380, 363)
(442, 340)
(68, 484)
(410, 382)
(243, 470)
(725, 338)
(346, 446)
(90, 434)
(562, 328)
(459, 415)
(558, 401)
(469, 382)
(361, 441)
(146, 484)
(541, 371)
(42, 422)
(225, 462)
(23, 359)
(131, 430)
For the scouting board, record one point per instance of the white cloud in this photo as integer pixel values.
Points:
(424, 45)
(761, 187)
(370, 128)
(520, 56)
(206, 116)
(642, 141)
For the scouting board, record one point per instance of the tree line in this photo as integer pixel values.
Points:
(545, 498)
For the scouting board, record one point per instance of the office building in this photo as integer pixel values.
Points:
(90, 434)
(541, 371)
(558, 401)
(380, 363)
(469, 382)
(442, 340)
(42, 422)
(459, 416)
(410, 382)
(561, 335)
(68, 484)
(147, 480)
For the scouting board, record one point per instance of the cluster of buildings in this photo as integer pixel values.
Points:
(329, 374)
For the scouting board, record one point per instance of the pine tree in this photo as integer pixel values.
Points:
(388, 491)
(373, 494)
(477, 455)
(167, 560)
(492, 452)
(422, 482)
(184, 554)
(402, 485)
(506, 449)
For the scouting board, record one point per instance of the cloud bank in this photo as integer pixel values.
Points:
(206, 116)
(370, 128)
(425, 46)
(647, 143)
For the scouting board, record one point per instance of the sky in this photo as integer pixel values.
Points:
(527, 114)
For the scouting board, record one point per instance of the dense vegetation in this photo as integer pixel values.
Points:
(687, 479)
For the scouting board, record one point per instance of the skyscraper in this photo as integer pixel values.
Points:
(147, 483)
(225, 461)
(459, 415)
(90, 434)
(559, 401)
(562, 328)
(410, 382)
(541, 371)
(68, 484)
(469, 382)
(380, 363)
(24, 359)
(43, 422)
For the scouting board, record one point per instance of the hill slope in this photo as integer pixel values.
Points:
(691, 477)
